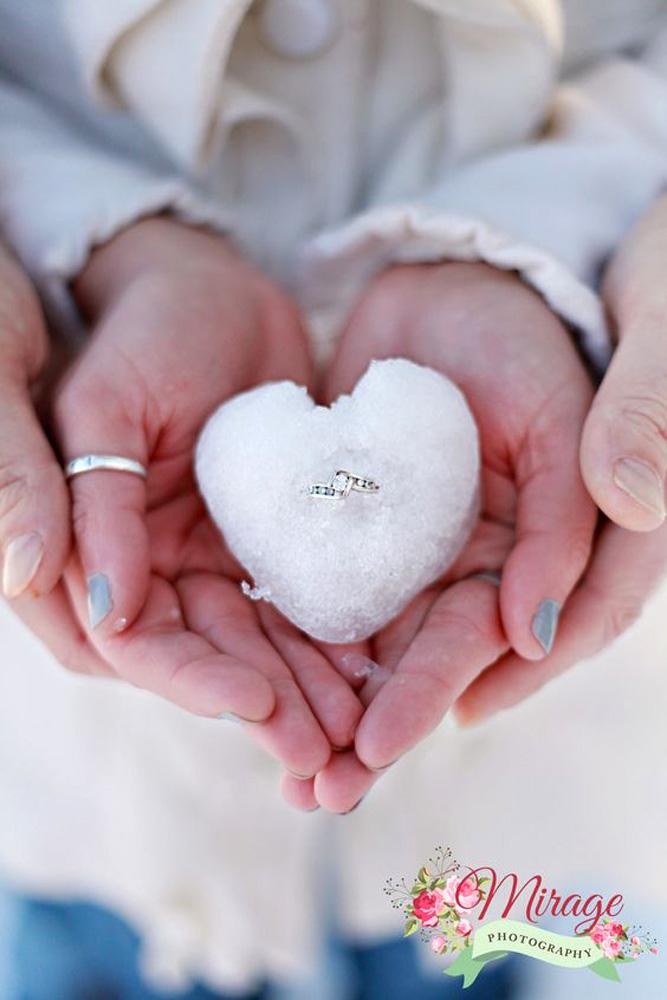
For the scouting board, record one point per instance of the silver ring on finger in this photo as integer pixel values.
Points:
(111, 463)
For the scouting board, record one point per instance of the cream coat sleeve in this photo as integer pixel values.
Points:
(63, 192)
(553, 209)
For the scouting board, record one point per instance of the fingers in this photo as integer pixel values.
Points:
(555, 522)
(216, 609)
(339, 788)
(52, 620)
(299, 792)
(107, 506)
(460, 636)
(158, 653)
(34, 506)
(605, 605)
(343, 783)
(332, 700)
(624, 445)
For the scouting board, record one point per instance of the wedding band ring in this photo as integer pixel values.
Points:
(112, 463)
(342, 483)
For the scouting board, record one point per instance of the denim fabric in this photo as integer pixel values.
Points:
(77, 951)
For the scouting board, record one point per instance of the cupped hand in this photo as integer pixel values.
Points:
(179, 322)
(530, 394)
(624, 465)
(34, 504)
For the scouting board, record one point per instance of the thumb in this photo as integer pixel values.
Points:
(34, 505)
(624, 443)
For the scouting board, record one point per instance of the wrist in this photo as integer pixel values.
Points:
(633, 287)
(23, 339)
(158, 245)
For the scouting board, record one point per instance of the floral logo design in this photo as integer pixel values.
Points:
(439, 902)
(439, 905)
(620, 942)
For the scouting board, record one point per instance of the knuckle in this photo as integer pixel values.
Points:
(82, 512)
(646, 413)
(457, 624)
(15, 489)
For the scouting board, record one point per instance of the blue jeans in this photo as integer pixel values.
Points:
(76, 951)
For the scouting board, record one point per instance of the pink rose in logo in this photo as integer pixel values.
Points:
(464, 927)
(438, 944)
(463, 893)
(428, 906)
(611, 947)
(599, 933)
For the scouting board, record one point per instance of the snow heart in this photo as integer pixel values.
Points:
(343, 561)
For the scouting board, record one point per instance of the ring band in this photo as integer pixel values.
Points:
(342, 483)
(113, 463)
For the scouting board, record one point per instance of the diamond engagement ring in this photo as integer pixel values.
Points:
(114, 463)
(341, 485)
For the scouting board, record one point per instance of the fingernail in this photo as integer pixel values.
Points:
(299, 777)
(545, 624)
(355, 806)
(385, 767)
(23, 557)
(99, 598)
(230, 717)
(642, 483)
(489, 577)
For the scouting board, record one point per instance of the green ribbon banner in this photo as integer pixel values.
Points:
(494, 940)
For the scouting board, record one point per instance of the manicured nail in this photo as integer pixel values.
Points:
(23, 557)
(99, 598)
(642, 483)
(545, 623)
(230, 717)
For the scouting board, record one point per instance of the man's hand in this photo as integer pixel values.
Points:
(624, 464)
(34, 504)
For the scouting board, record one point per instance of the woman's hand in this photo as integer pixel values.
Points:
(624, 464)
(34, 504)
(180, 323)
(530, 395)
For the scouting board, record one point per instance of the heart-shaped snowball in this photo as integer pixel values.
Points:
(342, 564)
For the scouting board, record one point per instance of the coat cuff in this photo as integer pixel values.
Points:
(54, 245)
(338, 264)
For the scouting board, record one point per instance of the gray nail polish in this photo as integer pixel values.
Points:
(490, 577)
(99, 598)
(545, 624)
(230, 717)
